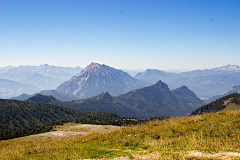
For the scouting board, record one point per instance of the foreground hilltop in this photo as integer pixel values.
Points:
(226, 103)
(96, 78)
(210, 136)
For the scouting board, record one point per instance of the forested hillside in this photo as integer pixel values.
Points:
(17, 115)
(218, 105)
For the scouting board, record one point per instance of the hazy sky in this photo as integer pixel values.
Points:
(160, 34)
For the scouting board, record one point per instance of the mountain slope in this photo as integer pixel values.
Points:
(19, 114)
(22, 97)
(157, 100)
(103, 102)
(234, 89)
(152, 101)
(58, 95)
(96, 78)
(210, 136)
(44, 100)
(219, 104)
(187, 96)
(61, 96)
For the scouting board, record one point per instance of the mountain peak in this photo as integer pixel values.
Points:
(105, 95)
(230, 68)
(153, 75)
(236, 89)
(41, 99)
(162, 85)
(90, 67)
(93, 65)
(96, 78)
(184, 88)
(42, 65)
(159, 82)
(153, 71)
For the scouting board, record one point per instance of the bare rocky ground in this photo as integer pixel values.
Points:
(223, 155)
(81, 129)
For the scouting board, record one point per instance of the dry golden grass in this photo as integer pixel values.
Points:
(175, 138)
(231, 107)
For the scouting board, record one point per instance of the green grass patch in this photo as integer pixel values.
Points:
(169, 139)
(231, 107)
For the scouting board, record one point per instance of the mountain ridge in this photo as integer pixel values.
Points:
(205, 83)
(96, 78)
(43, 76)
(9, 88)
(56, 94)
(151, 101)
(219, 104)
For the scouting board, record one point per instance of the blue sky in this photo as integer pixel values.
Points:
(161, 34)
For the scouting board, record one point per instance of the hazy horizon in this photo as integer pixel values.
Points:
(179, 70)
(124, 34)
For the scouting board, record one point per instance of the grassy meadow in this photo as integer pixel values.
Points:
(174, 138)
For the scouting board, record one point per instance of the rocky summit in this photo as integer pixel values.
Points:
(97, 78)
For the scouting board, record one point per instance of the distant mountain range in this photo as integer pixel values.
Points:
(154, 75)
(151, 101)
(43, 76)
(213, 71)
(205, 83)
(61, 96)
(96, 78)
(10, 88)
(57, 72)
(234, 89)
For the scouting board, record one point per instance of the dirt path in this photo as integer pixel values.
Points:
(81, 129)
(223, 155)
